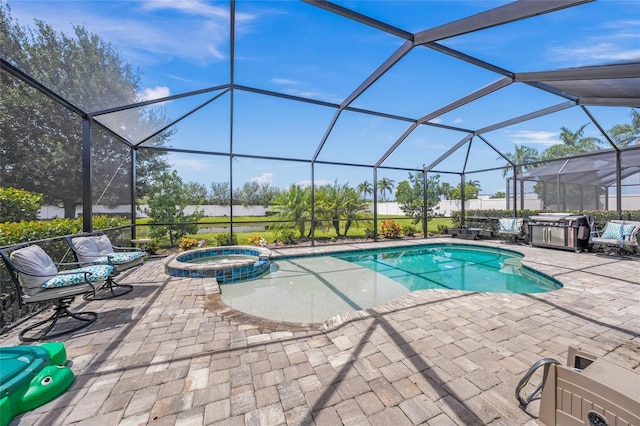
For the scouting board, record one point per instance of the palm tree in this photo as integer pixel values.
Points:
(522, 156)
(293, 206)
(365, 188)
(572, 143)
(384, 185)
(336, 203)
(627, 134)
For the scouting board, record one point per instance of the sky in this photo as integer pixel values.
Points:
(300, 50)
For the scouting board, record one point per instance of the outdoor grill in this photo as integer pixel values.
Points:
(560, 230)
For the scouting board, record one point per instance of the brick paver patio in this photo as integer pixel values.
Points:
(170, 353)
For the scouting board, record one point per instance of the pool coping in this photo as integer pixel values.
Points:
(178, 265)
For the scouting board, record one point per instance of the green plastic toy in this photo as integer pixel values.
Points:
(31, 376)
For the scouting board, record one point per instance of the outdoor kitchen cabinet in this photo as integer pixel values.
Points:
(560, 230)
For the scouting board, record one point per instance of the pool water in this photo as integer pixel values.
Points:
(456, 267)
(313, 289)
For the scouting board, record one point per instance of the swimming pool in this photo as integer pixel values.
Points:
(456, 267)
(312, 289)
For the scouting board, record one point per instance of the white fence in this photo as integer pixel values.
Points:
(445, 207)
(50, 212)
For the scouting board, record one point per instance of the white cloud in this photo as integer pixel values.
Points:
(315, 94)
(601, 52)
(154, 93)
(436, 120)
(190, 163)
(457, 120)
(265, 178)
(305, 183)
(283, 81)
(195, 31)
(533, 137)
(618, 42)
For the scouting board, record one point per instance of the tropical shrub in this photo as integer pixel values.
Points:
(187, 243)
(288, 238)
(390, 229)
(408, 230)
(226, 239)
(257, 240)
(153, 247)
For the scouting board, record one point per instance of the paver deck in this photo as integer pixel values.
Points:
(169, 353)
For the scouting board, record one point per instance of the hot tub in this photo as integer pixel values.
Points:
(226, 264)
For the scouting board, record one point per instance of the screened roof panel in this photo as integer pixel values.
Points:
(622, 91)
(417, 15)
(137, 124)
(565, 38)
(455, 162)
(618, 123)
(205, 130)
(423, 146)
(360, 138)
(504, 104)
(544, 134)
(333, 55)
(415, 86)
(482, 157)
(304, 50)
(270, 126)
(154, 37)
(599, 169)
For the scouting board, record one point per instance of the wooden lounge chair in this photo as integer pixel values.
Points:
(618, 236)
(37, 279)
(95, 248)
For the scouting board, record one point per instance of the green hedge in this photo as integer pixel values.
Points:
(17, 205)
(22, 232)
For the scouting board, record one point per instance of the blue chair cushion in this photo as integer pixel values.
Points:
(612, 231)
(118, 258)
(77, 276)
(627, 230)
(508, 225)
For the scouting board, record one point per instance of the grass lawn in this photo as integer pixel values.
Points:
(357, 230)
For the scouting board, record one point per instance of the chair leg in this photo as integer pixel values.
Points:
(60, 311)
(109, 290)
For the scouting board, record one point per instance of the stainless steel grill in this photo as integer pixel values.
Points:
(560, 230)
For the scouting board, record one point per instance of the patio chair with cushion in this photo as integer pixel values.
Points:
(618, 236)
(511, 227)
(37, 279)
(95, 248)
